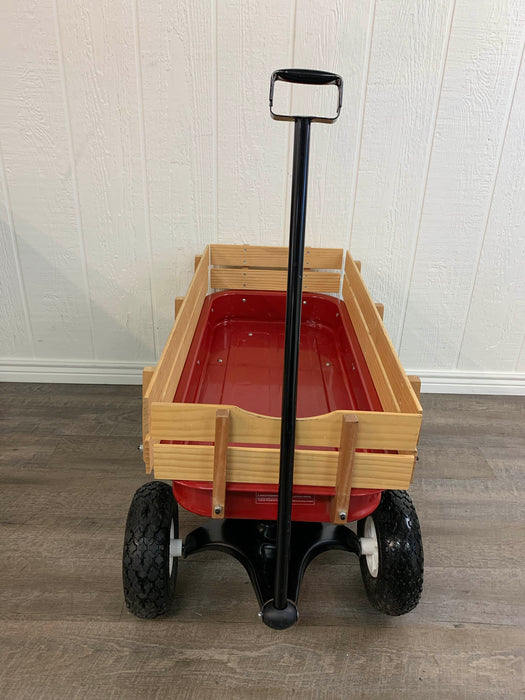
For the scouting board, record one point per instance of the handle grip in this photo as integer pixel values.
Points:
(306, 77)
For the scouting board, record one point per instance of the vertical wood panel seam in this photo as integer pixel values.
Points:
(491, 200)
(215, 118)
(14, 243)
(74, 179)
(288, 184)
(408, 287)
(362, 112)
(145, 186)
(519, 354)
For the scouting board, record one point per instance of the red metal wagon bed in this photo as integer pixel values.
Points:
(236, 359)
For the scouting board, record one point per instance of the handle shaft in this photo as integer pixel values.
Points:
(291, 357)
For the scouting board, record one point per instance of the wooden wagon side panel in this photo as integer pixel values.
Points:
(273, 257)
(375, 329)
(165, 378)
(265, 268)
(371, 470)
(272, 280)
(251, 454)
(372, 356)
(196, 423)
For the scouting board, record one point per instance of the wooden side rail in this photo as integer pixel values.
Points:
(262, 267)
(273, 257)
(253, 465)
(196, 423)
(354, 289)
(240, 278)
(165, 378)
(373, 359)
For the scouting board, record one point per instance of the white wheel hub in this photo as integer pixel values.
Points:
(369, 547)
(175, 546)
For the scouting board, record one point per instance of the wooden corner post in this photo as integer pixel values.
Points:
(220, 458)
(415, 383)
(178, 304)
(345, 465)
(147, 374)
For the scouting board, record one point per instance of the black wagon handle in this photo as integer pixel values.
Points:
(281, 612)
(305, 76)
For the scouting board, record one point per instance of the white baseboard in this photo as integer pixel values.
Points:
(459, 382)
(106, 372)
(72, 372)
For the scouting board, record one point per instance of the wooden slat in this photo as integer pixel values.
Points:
(380, 309)
(178, 303)
(345, 466)
(196, 423)
(266, 256)
(196, 263)
(173, 356)
(405, 396)
(261, 466)
(184, 328)
(169, 368)
(220, 457)
(358, 264)
(235, 278)
(373, 359)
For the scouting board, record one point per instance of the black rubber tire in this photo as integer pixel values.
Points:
(148, 586)
(397, 587)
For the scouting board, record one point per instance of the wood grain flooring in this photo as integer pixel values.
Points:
(68, 469)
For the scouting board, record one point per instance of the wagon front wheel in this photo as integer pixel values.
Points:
(149, 569)
(392, 554)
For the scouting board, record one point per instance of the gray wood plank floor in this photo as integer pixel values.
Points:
(68, 469)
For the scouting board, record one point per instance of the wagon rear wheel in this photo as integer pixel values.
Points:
(392, 554)
(149, 571)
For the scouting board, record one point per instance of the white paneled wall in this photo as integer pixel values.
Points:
(133, 133)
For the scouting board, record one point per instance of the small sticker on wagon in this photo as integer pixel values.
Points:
(303, 499)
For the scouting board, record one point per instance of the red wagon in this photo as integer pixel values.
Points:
(282, 444)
